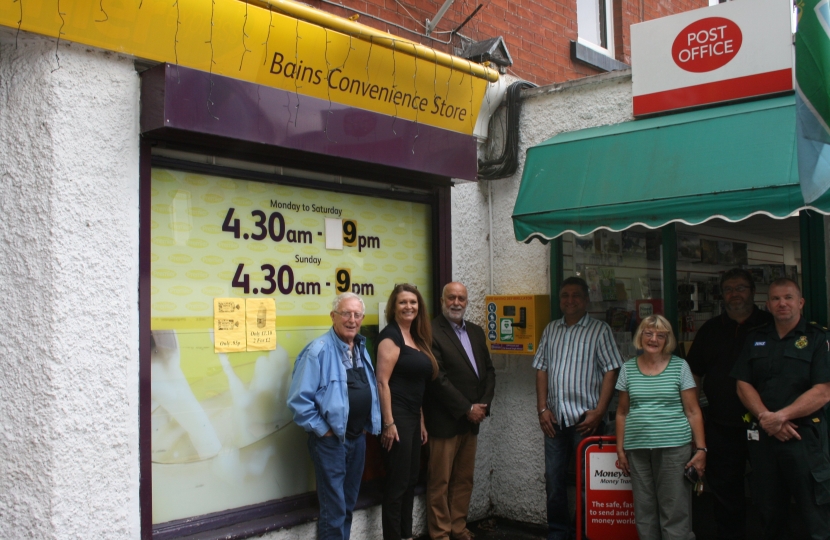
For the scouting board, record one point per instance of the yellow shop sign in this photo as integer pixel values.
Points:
(277, 43)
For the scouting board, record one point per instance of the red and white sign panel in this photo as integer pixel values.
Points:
(710, 55)
(609, 500)
(608, 510)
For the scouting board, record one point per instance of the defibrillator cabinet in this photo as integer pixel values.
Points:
(515, 323)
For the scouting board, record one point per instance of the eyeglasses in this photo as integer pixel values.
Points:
(662, 336)
(738, 289)
(346, 315)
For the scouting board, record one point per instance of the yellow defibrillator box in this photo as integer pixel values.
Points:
(515, 322)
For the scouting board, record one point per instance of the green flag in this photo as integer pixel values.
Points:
(812, 73)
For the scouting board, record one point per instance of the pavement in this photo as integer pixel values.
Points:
(702, 523)
(504, 529)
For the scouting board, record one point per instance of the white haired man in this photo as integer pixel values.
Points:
(334, 397)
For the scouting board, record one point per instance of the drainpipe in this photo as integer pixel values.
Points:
(493, 97)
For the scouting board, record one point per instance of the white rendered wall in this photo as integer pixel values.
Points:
(510, 479)
(68, 291)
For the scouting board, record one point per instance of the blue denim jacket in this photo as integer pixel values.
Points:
(319, 394)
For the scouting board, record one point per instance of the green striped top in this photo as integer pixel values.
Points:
(655, 417)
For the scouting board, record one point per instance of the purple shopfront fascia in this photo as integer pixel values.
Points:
(191, 101)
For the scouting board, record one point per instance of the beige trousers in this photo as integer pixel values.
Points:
(450, 484)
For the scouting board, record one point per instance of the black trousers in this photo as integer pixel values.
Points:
(725, 471)
(402, 467)
(800, 469)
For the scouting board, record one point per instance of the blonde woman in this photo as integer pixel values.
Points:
(657, 419)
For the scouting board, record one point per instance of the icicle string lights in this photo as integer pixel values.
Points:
(268, 35)
(176, 34)
(296, 86)
(245, 48)
(394, 84)
(328, 90)
(19, 22)
(417, 110)
(210, 102)
(101, 7)
(369, 59)
(60, 33)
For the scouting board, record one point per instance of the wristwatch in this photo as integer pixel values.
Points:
(705, 450)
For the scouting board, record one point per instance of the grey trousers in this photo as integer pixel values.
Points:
(662, 496)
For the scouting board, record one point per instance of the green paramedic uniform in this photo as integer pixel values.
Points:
(781, 369)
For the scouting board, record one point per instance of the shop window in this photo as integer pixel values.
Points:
(222, 436)
(624, 275)
(767, 247)
(595, 26)
(624, 270)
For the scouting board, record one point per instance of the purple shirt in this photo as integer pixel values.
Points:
(461, 332)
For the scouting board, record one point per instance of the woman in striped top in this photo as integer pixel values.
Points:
(657, 418)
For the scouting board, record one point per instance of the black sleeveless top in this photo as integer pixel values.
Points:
(410, 375)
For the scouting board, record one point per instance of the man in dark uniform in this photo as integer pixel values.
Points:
(712, 356)
(784, 380)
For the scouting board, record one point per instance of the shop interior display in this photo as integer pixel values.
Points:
(624, 270)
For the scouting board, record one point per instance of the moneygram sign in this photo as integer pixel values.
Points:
(605, 501)
(725, 52)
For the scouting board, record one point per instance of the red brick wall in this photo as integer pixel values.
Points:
(537, 32)
(634, 11)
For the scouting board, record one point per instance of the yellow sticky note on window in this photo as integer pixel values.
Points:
(228, 325)
(261, 330)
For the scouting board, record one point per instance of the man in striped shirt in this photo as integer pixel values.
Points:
(577, 362)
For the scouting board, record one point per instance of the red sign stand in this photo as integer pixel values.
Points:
(604, 500)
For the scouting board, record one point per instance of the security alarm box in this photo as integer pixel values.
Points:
(515, 323)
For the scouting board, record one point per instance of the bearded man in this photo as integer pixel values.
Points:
(455, 404)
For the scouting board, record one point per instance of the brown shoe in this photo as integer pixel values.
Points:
(466, 534)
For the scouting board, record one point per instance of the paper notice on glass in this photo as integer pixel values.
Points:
(228, 325)
(260, 316)
(334, 233)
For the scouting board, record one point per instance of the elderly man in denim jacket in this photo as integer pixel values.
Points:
(334, 397)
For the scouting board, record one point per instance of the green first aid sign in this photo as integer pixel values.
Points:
(505, 330)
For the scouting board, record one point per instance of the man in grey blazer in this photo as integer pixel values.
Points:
(455, 403)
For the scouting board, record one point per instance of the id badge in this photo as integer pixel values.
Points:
(752, 435)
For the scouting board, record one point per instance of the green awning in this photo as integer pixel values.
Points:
(727, 162)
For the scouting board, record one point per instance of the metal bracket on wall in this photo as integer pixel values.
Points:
(431, 24)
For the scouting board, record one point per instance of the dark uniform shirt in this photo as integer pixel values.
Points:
(781, 369)
(717, 346)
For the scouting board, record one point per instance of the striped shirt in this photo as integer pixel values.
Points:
(576, 358)
(656, 418)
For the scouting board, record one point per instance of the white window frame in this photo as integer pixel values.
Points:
(609, 30)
